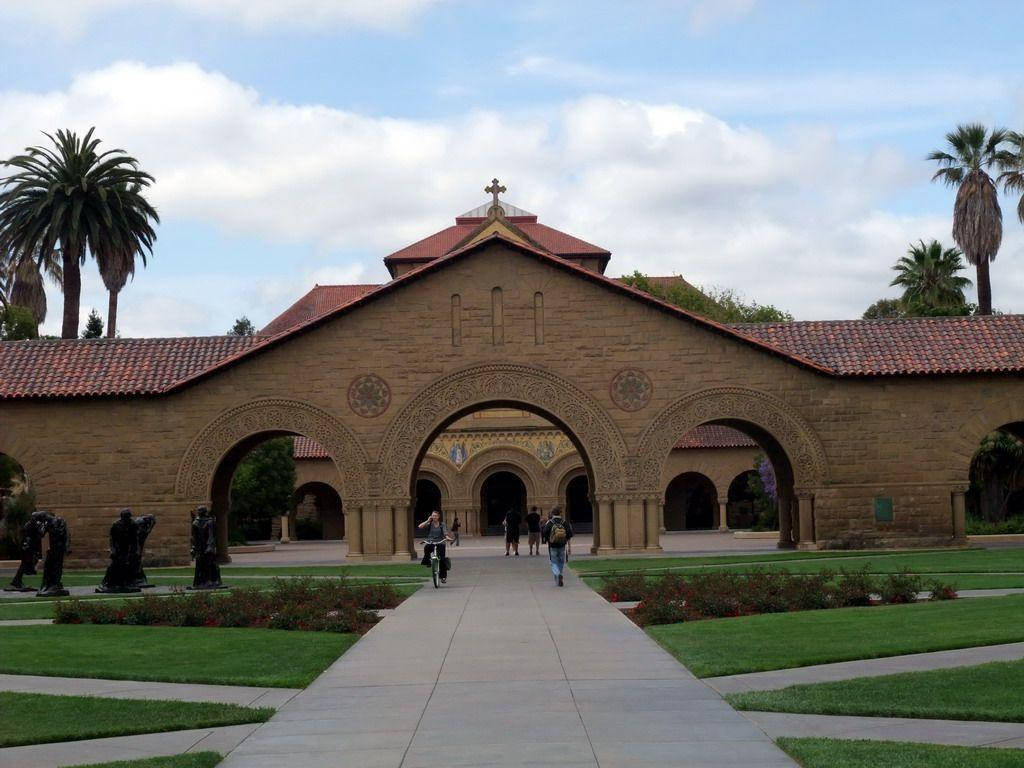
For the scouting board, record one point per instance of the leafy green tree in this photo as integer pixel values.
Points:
(243, 327)
(17, 323)
(723, 305)
(930, 279)
(74, 200)
(977, 218)
(1011, 163)
(885, 308)
(264, 482)
(996, 471)
(93, 326)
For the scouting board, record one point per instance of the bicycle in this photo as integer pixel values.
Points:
(435, 564)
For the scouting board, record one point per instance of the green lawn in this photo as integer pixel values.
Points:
(40, 718)
(191, 760)
(833, 753)
(985, 692)
(783, 640)
(267, 657)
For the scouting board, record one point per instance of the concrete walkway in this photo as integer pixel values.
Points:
(501, 668)
(847, 670)
(243, 695)
(125, 747)
(953, 732)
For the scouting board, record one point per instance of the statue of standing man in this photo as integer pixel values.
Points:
(204, 551)
(31, 552)
(124, 554)
(56, 528)
(143, 527)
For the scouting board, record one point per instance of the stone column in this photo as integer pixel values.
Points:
(620, 524)
(653, 520)
(723, 519)
(285, 530)
(785, 519)
(354, 529)
(959, 514)
(402, 516)
(606, 514)
(661, 515)
(805, 513)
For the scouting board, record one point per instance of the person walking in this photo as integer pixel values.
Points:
(533, 529)
(556, 534)
(436, 536)
(456, 525)
(511, 524)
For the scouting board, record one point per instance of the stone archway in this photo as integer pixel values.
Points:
(789, 440)
(35, 468)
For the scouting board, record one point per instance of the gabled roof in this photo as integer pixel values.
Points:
(320, 299)
(32, 369)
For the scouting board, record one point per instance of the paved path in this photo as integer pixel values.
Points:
(847, 670)
(501, 668)
(955, 732)
(125, 747)
(131, 689)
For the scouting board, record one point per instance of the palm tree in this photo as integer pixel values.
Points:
(930, 280)
(76, 200)
(977, 219)
(116, 262)
(1011, 163)
(24, 280)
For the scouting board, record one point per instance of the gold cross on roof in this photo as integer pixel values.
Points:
(495, 189)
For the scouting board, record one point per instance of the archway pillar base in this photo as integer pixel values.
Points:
(628, 523)
(380, 530)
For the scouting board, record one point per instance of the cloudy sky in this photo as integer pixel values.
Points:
(773, 147)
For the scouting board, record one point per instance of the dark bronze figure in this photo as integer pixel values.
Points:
(204, 551)
(31, 552)
(143, 527)
(56, 528)
(124, 549)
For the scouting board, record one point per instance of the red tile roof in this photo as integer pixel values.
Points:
(715, 436)
(320, 299)
(839, 348)
(922, 345)
(705, 436)
(93, 367)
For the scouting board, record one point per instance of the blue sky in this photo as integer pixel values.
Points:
(772, 147)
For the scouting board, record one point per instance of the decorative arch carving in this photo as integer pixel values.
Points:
(508, 458)
(460, 392)
(562, 485)
(797, 438)
(204, 454)
(437, 471)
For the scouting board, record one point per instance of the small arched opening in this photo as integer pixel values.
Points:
(318, 512)
(578, 507)
(428, 499)
(690, 503)
(995, 496)
(501, 492)
(742, 508)
(17, 503)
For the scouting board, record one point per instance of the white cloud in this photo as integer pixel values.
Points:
(72, 17)
(705, 15)
(797, 221)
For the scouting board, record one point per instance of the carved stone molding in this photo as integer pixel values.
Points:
(422, 416)
(631, 389)
(797, 438)
(204, 454)
(505, 460)
(369, 395)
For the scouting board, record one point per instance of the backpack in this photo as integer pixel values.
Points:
(557, 537)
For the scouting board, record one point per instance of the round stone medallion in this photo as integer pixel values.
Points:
(368, 395)
(631, 389)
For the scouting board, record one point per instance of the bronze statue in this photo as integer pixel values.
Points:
(204, 551)
(60, 544)
(143, 527)
(124, 548)
(31, 552)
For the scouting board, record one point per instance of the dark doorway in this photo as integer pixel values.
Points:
(742, 513)
(428, 498)
(690, 502)
(318, 513)
(578, 509)
(501, 492)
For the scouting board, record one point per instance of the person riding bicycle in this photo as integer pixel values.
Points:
(436, 537)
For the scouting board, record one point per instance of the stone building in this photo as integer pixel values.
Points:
(869, 425)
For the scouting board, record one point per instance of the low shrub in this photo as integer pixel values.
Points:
(630, 586)
(855, 588)
(900, 588)
(979, 527)
(811, 592)
(940, 590)
(325, 605)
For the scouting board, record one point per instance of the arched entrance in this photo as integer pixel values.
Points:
(578, 509)
(742, 511)
(690, 503)
(17, 502)
(428, 499)
(318, 512)
(501, 492)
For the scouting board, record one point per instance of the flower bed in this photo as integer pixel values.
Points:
(301, 604)
(674, 597)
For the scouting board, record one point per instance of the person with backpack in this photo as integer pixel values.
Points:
(556, 535)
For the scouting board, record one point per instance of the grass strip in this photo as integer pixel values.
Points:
(784, 640)
(984, 692)
(262, 657)
(190, 760)
(836, 753)
(42, 718)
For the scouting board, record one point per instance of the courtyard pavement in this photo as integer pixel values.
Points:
(501, 668)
